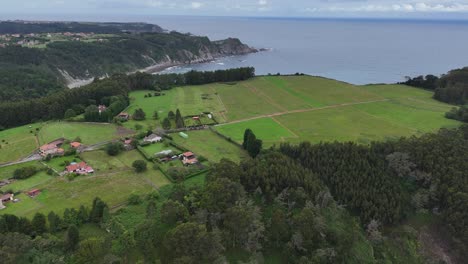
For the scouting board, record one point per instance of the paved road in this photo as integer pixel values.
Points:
(31, 157)
(36, 156)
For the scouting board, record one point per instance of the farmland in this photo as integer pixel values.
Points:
(318, 109)
(89, 133)
(277, 108)
(210, 145)
(113, 181)
(17, 142)
(298, 108)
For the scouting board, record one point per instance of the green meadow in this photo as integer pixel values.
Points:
(19, 142)
(268, 129)
(277, 108)
(318, 109)
(89, 133)
(213, 147)
(114, 181)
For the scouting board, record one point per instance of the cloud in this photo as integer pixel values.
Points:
(364, 8)
(196, 5)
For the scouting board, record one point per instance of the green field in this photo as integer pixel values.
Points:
(89, 133)
(267, 128)
(189, 100)
(26, 184)
(210, 145)
(154, 148)
(113, 182)
(17, 142)
(317, 109)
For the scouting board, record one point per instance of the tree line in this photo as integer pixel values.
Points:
(388, 181)
(322, 203)
(54, 106)
(450, 88)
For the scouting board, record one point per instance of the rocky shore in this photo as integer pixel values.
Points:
(218, 49)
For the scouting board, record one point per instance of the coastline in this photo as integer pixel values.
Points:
(155, 68)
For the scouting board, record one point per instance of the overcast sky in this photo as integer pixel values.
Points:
(450, 9)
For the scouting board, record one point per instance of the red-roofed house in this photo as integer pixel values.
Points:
(34, 192)
(79, 168)
(188, 158)
(75, 144)
(53, 148)
(6, 197)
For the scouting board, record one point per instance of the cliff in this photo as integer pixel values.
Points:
(77, 56)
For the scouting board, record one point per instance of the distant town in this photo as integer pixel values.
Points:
(36, 40)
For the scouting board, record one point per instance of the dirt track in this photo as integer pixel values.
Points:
(302, 111)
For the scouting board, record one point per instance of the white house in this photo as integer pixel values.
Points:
(152, 138)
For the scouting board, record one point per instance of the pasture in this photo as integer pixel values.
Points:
(19, 142)
(213, 147)
(315, 109)
(266, 128)
(113, 181)
(88, 132)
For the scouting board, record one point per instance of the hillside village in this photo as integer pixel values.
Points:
(40, 40)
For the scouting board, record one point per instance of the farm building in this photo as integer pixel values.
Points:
(188, 158)
(79, 168)
(4, 183)
(53, 148)
(33, 193)
(102, 108)
(75, 145)
(123, 116)
(6, 197)
(152, 138)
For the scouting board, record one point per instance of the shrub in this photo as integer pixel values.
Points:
(114, 148)
(139, 165)
(134, 199)
(25, 172)
(154, 195)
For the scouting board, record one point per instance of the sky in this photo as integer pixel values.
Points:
(426, 9)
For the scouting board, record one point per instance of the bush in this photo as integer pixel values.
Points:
(25, 172)
(140, 165)
(71, 176)
(134, 199)
(114, 148)
(202, 158)
(50, 172)
(154, 195)
(70, 152)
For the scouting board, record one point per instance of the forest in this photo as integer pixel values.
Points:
(292, 204)
(27, 73)
(450, 88)
(54, 106)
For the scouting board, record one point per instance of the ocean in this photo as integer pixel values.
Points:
(358, 51)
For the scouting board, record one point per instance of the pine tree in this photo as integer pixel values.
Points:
(54, 222)
(72, 238)
(179, 120)
(166, 124)
(39, 223)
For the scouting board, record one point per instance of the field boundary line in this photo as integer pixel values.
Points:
(303, 110)
(279, 123)
(222, 113)
(387, 120)
(264, 96)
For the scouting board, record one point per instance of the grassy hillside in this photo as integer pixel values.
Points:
(298, 108)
